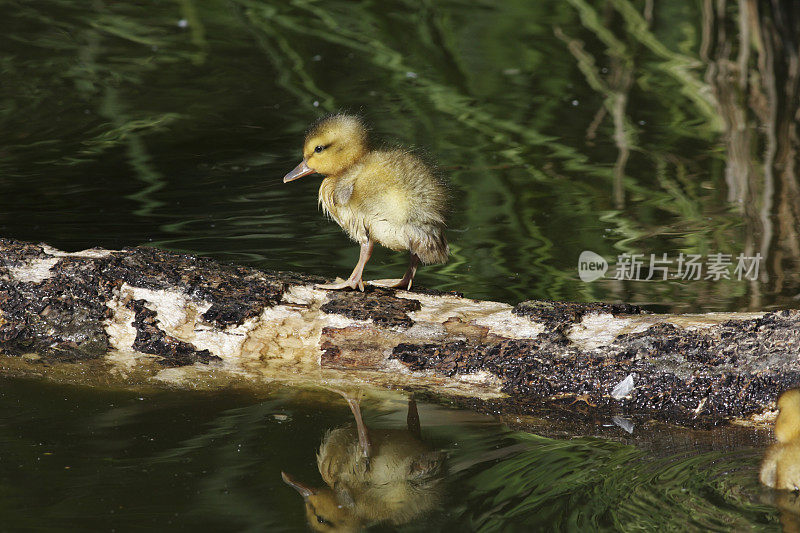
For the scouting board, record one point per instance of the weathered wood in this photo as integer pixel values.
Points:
(145, 315)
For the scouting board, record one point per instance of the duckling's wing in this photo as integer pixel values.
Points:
(412, 205)
(339, 454)
(342, 193)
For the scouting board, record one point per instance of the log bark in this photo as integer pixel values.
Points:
(144, 316)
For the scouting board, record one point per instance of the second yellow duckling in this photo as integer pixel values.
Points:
(388, 196)
(780, 468)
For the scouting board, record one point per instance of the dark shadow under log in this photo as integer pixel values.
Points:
(145, 316)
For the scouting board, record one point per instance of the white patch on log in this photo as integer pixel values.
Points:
(119, 328)
(36, 271)
(700, 406)
(507, 324)
(281, 332)
(174, 310)
(304, 295)
(225, 343)
(695, 322)
(600, 329)
(427, 331)
(396, 367)
(482, 378)
(443, 307)
(91, 253)
(496, 316)
(759, 419)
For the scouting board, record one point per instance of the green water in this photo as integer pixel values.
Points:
(79, 459)
(561, 125)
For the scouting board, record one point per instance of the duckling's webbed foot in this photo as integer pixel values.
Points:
(349, 283)
(403, 283)
(391, 283)
(354, 281)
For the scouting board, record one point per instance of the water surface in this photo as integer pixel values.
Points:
(78, 459)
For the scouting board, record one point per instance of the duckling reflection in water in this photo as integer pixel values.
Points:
(781, 466)
(388, 196)
(372, 476)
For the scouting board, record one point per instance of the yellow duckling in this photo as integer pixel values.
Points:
(372, 476)
(388, 196)
(781, 466)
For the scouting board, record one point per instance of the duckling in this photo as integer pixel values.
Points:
(396, 479)
(781, 466)
(388, 196)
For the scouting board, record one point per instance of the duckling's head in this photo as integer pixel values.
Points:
(333, 144)
(327, 510)
(787, 425)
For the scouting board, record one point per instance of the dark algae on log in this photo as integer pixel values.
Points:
(699, 377)
(557, 315)
(59, 316)
(375, 304)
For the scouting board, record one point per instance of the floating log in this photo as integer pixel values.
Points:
(143, 316)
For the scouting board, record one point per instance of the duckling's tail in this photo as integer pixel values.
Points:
(431, 246)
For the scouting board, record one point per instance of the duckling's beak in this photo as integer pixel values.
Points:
(298, 172)
(304, 490)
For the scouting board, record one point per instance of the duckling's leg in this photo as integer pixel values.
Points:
(354, 281)
(405, 282)
(363, 436)
(412, 418)
(354, 402)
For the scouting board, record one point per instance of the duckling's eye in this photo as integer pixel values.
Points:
(319, 148)
(323, 521)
